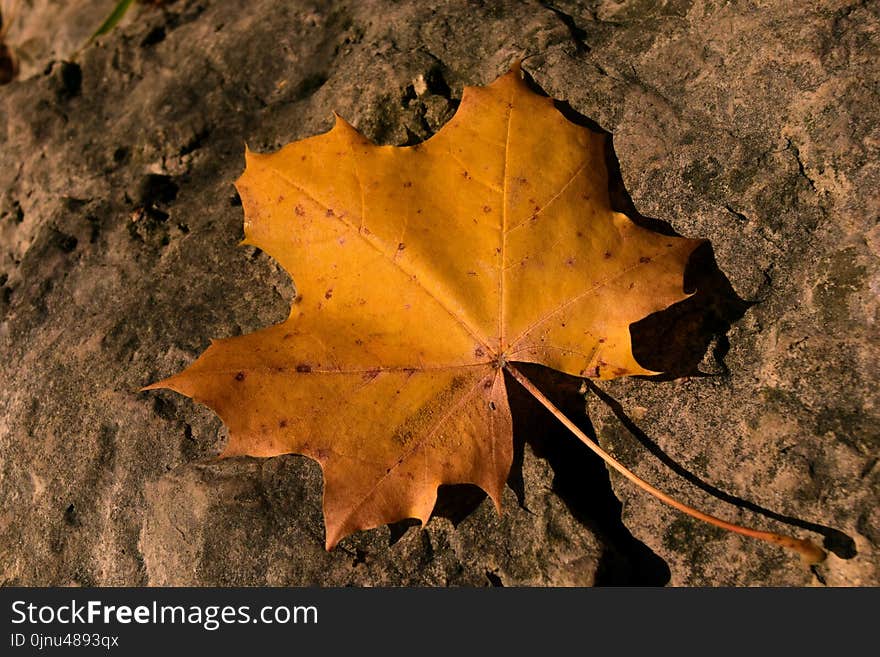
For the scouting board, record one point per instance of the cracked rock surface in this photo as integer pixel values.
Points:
(754, 128)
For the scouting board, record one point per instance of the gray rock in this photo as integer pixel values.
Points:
(118, 263)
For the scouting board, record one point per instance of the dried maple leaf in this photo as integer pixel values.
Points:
(423, 272)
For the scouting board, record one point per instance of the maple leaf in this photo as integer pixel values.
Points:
(423, 272)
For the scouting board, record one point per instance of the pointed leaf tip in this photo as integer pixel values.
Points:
(159, 385)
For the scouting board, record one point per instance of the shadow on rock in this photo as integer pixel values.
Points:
(835, 540)
(580, 477)
(674, 341)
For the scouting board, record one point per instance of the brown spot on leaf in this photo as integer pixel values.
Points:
(401, 246)
(644, 259)
(606, 255)
(408, 183)
(240, 376)
(303, 368)
(486, 208)
(328, 294)
(299, 210)
(282, 424)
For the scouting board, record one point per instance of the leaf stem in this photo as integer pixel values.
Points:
(809, 552)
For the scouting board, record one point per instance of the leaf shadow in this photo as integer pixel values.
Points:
(835, 540)
(676, 340)
(455, 502)
(673, 341)
(580, 478)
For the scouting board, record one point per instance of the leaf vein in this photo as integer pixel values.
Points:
(418, 444)
(599, 285)
(503, 236)
(550, 202)
(384, 252)
(272, 369)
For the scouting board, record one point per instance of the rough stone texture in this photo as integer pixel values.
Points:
(753, 124)
(45, 30)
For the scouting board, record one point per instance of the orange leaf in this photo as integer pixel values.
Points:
(422, 271)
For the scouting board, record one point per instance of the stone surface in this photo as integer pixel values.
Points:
(751, 124)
